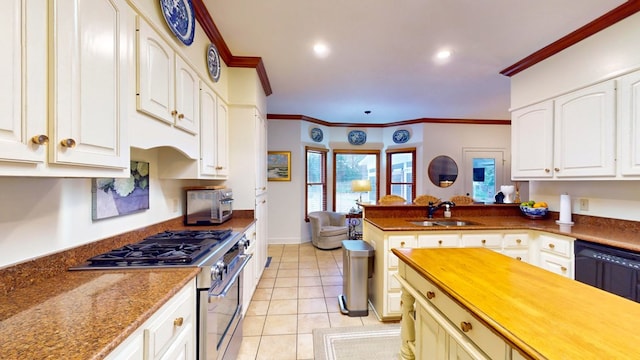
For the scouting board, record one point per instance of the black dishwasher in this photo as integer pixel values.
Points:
(608, 268)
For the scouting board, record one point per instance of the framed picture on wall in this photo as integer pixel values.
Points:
(279, 166)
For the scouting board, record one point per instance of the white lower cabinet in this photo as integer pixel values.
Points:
(556, 254)
(249, 281)
(170, 333)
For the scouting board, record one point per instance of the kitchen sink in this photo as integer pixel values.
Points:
(424, 223)
(443, 223)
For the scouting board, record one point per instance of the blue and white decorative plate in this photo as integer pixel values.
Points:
(181, 19)
(213, 62)
(357, 137)
(401, 136)
(316, 134)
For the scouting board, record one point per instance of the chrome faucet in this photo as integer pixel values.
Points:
(431, 209)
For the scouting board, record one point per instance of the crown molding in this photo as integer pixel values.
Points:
(294, 117)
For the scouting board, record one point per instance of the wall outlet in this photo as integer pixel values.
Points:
(584, 204)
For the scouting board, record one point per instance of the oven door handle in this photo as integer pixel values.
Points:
(234, 278)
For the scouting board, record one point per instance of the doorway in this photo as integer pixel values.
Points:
(484, 173)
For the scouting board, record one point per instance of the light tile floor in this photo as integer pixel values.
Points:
(298, 292)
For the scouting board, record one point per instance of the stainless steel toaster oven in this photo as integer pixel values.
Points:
(208, 206)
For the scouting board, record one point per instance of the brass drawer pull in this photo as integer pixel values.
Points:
(439, 242)
(518, 258)
(430, 295)
(178, 321)
(402, 244)
(466, 326)
(563, 268)
(518, 241)
(551, 246)
(483, 241)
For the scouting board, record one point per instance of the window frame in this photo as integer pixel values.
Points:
(337, 152)
(389, 182)
(323, 152)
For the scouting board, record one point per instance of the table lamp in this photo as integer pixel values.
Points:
(360, 186)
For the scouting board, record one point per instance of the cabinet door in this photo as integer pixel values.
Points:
(186, 92)
(532, 141)
(222, 139)
(430, 337)
(629, 124)
(208, 130)
(91, 42)
(155, 78)
(261, 154)
(23, 68)
(261, 234)
(585, 132)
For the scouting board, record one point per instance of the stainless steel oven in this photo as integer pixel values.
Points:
(220, 305)
(220, 255)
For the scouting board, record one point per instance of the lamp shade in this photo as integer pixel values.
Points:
(360, 185)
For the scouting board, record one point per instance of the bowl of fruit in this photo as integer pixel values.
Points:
(534, 210)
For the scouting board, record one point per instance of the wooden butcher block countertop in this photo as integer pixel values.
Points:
(544, 315)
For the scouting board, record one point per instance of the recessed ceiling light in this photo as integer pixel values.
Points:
(321, 50)
(443, 54)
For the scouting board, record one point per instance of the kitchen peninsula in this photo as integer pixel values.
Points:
(475, 303)
(501, 228)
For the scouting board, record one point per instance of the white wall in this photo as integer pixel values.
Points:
(286, 199)
(607, 54)
(41, 216)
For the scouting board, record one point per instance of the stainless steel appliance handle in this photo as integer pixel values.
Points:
(234, 278)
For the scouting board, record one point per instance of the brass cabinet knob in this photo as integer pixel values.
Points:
(518, 258)
(68, 143)
(556, 169)
(181, 116)
(430, 294)
(439, 242)
(551, 246)
(563, 268)
(219, 167)
(547, 170)
(483, 241)
(518, 241)
(402, 244)
(465, 326)
(40, 139)
(174, 113)
(178, 321)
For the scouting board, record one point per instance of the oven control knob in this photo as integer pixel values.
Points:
(244, 242)
(217, 271)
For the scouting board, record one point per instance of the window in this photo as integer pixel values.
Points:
(349, 165)
(486, 169)
(316, 186)
(401, 179)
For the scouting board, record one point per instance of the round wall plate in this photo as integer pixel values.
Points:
(316, 134)
(401, 136)
(180, 18)
(357, 137)
(213, 62)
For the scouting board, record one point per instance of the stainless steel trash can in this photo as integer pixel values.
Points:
(357, 263)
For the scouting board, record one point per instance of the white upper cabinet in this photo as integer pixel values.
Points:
(569, 137)
(167, 87)
(91, 44)
(67, 65)
(629, 124)
(532, 141)
(585, 137)
(214, 135)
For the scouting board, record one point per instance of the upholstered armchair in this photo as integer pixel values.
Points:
(328, 229)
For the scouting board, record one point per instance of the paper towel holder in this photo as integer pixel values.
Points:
(565, 201)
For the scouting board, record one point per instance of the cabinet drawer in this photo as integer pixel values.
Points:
(479, 334)
(399, 241)
(518, 254)
(557, 264)
(556, 245)
(516, 240)
(438, 240)
(174, 318)
(482, 240)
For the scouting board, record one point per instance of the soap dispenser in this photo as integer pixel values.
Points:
(447, 210)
